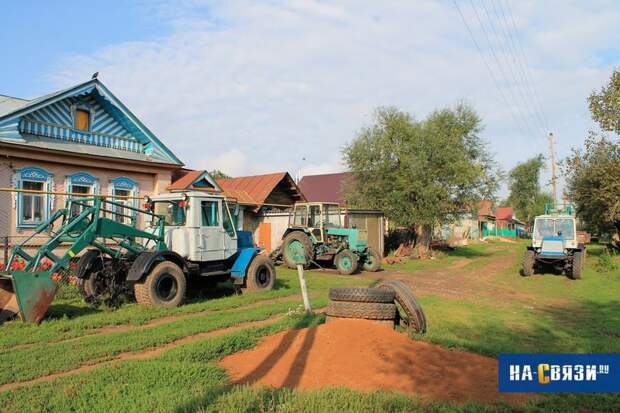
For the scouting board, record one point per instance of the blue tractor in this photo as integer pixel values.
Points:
(555, 243)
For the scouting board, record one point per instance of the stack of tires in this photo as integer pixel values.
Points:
(388, 302)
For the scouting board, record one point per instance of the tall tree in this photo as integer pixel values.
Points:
(421, 173)
(593, 183)
(605, 105)
(525, 196)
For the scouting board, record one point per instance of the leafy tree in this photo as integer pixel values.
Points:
(605, 105)
(420, 173)
(525, 196)
(593, 183)
(217, 174)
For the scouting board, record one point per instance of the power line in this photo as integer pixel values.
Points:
(505, 51)
(531, 130)
(524, 84)
(527, 65)
(493, 77)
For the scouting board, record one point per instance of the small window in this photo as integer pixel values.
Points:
(173, 214)
(299, 216)
(122, 214)
(33, 207)
(315, 216)
(209, 214)
(83, 190)
(82, 119)
(229, 226)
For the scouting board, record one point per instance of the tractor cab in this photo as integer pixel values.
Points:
(316, 217)
(198, 226)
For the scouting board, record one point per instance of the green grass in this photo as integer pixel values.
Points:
(546, 313)
(70, 317)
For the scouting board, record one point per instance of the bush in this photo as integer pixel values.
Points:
(606, 262)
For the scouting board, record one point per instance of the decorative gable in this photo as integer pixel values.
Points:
(104, 121)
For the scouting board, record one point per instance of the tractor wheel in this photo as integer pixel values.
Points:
(372, 262)
(369, 311)
(261, 275)
(297, 244)
(577, 265)
(414, 318)
(346, 262)
(87, 268)
(529, 261)
(361, 295)
(164, 286)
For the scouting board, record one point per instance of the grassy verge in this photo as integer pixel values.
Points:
(70, 317)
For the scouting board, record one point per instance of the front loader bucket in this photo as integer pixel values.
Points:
(26, 294)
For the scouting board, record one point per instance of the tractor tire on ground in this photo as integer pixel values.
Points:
(362, 295)
(164, 286)
(529, 263)
(85, 284)
(346, 262)
(294, 243)
(577, 265)
(261, 275)
(369, 311)
(415, 317)
(372, 262)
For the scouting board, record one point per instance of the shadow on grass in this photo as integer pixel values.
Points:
(466, 252)
(57, 311)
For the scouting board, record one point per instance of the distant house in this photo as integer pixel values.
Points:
(507, 225)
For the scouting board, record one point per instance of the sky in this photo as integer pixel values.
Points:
(252, 87)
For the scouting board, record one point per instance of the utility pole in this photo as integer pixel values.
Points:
(554, 185)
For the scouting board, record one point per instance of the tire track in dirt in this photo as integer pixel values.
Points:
(143, 354)
(153, 323)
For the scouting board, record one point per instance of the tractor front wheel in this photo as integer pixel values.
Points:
(372, 262)
(164, 286)
(346, 262)
(529, 261)
(297, 245)
(261, 275)
(577, 265)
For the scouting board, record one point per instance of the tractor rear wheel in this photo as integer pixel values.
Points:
(346, 262)
(261, 275)
(529, 261)
(372, 262)
(164, 286)
(577, 265)
(297, 244)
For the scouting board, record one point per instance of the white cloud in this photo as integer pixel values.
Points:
(261, 85)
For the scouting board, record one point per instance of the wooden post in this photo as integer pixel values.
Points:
(304, 287)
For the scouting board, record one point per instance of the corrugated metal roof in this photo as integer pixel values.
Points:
(257, 187)
(503, 213)
(326, 187)
(10, 104)
(240, 196)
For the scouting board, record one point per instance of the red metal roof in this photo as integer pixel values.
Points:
(326, 187)
(503, 213)
(258, 187)
(185, 181)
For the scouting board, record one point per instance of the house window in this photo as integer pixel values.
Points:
(121, 188)
(32, 208)
(82, 119)
(81, 184)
